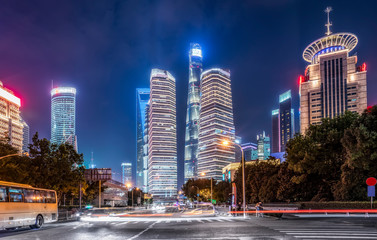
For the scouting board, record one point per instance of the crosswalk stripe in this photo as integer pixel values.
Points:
(219, 220)
(122, 223)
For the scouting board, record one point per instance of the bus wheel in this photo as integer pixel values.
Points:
(38, 222)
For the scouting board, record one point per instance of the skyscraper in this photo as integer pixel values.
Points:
(25, 136)
(63, 116)
(127, 173)
(142, 98)
(11, 126)
(192, 116)
(275, 146)
(216, 123)
(162, 137)
(286, 119)
(333, 82)
(263, 146)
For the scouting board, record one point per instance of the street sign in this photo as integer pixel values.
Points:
(371, 181)
(371, 191)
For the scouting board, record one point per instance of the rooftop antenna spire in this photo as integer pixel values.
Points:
(328, 25)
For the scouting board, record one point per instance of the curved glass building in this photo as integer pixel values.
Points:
(63, 116)
(193, 107)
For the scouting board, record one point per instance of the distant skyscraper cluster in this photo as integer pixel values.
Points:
(63, 116)
(209, 121)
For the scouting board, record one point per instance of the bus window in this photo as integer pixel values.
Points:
(38, 197)
(29, 195)
(50, 197)
(3, 194)
(15, 195)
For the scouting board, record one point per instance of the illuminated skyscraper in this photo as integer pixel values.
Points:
(275, 146)
(25, 136)
(333, 83)
(263, 146)
(192, 116)
(162, 138)
(10, 121)
(216, 123)
(286, 119)
(63, 116)
(127, 173)
(142, 98)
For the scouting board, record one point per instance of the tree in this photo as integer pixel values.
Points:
(57, 167)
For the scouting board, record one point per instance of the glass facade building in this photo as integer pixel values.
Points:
(216, 124)
(127, 173)
(142, 99)
(63, 116)
(275, 145)
(263, 146)
(26, 136)
(286, 115)
(162, 138)
(193, 108)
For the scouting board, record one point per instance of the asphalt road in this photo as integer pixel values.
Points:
(204, 228)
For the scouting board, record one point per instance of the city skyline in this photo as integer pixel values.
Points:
(245, 61)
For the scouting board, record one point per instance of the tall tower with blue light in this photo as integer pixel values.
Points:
(142, 99)
(193, 108)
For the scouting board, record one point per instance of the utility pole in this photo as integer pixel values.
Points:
(99, 198)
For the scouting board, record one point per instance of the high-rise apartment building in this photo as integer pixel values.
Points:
(25, 136)
(275, 143)
(11, 127)
(283, 123)
(162, 137)
(193, 108)
(127, 173)
(142, 99)
(145, 151)
(263, 146)
(333, 81)
(216, 123)
(63, 116)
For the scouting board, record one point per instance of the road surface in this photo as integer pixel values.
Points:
(203, 228)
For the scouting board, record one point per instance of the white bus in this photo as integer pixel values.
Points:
(22, 205)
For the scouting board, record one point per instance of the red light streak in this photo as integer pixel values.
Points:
(313, 211)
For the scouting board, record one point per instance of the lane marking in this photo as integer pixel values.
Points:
(137, 235)
(123, 223)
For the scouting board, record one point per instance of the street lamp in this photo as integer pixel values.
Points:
(226, 143)
(203, 174)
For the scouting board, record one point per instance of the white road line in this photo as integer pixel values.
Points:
(137, 235)
(200, 221)
(219, 220)
(122, 223)
(229, 220)
(209, 220)
(135, 222)
(188, 220)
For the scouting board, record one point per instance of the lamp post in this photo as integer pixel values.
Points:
(226, 143)
(203, 174)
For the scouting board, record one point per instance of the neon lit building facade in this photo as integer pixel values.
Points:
(333, 82)
(127, 173)
(63, 116)
(162, 138)
(216, 124)
(142, 99)
(193, 108)
(10, 120)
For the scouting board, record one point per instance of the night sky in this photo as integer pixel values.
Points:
(106, 50)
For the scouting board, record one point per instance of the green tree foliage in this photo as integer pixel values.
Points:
(50, 166)
(220, 190)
